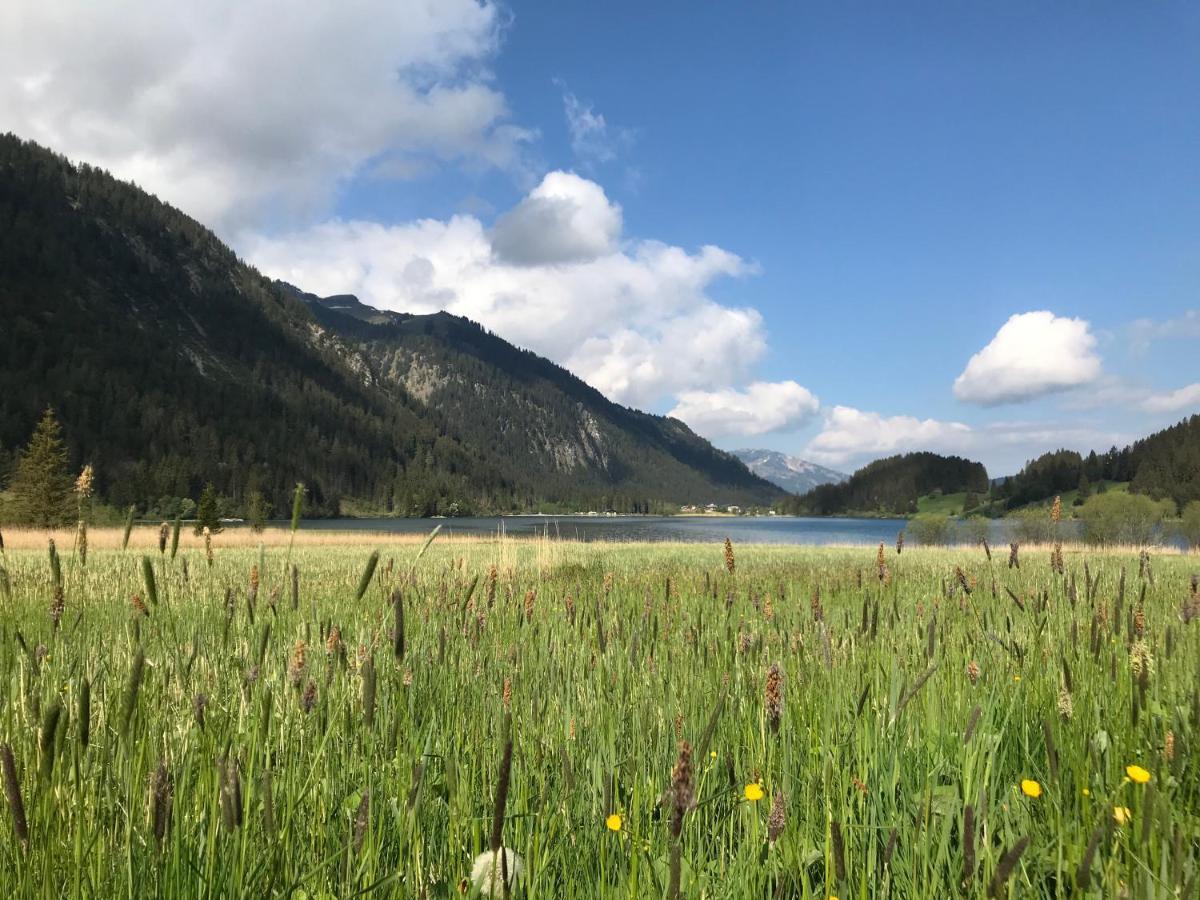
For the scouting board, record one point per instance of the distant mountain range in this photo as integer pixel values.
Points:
(171, 364)
(794, 475)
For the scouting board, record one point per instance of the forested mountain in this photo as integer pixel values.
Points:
(171, 363)
(891, 486)
(1164, 465)
(532, 418)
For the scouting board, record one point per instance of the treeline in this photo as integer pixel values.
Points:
(1164, 466)
(1061, 471)
(891, 486)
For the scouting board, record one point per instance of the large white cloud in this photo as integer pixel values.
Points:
(760, 408)
(233, 109)
(633, 318)
(564, 219)
(1033, 354)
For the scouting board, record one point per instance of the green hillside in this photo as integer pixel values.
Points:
(172, 364)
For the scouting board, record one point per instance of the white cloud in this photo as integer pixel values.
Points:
(593, 140)
(564, 219)
(1113, 391)
(632, 318)
(235, 109)
(761, 408)
(850, 434)
(1184, 399)
(1144, 332)
(1033, 354)
(851, 438)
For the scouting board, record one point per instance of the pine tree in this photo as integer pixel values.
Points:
(257, 510)
(208, 514)
(41, 484)
(1085, 490)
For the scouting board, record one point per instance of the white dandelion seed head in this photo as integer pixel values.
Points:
(487, 873)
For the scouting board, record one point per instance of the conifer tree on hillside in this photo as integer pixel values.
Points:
(208, 513)
(257, 510)
(41, 482)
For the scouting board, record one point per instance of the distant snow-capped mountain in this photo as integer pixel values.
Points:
(788, 472)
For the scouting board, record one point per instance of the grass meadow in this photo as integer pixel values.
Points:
(331, 720)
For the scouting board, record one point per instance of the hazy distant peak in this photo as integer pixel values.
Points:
(788, 472)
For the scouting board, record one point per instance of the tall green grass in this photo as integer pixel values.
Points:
(347, 739)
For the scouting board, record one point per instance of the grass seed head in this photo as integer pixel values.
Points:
(682, 793)
(777, 820)
(773, 697)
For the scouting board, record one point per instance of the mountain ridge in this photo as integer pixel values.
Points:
(172, 363)
(427, 356)
(793, 474)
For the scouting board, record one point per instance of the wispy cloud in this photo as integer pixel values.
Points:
(1185, 399)
(594, 141)
(1144, 332)
(851, 437)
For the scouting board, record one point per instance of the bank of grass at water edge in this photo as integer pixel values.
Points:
(858, 722)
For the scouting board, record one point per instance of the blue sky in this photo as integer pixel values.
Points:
(963, 227)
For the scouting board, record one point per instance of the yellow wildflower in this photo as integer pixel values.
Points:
(1031, 788)
(753, 792)
(1137, 774)
(613, 822)
(1122, 815)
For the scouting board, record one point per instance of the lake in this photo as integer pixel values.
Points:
(692, 529)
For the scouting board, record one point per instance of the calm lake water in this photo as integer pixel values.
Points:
(695, 529)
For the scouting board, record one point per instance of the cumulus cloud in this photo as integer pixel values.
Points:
(633, 318)
(848, 434)
(238, 109)
(564, 219)
(1184, 399)
(760, 408)
(1033, 354)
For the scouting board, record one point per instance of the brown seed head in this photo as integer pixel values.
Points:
(296, 665)
(682, 794)
(83, 484)
(309, 699)
(773, 697)
(777, 819)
